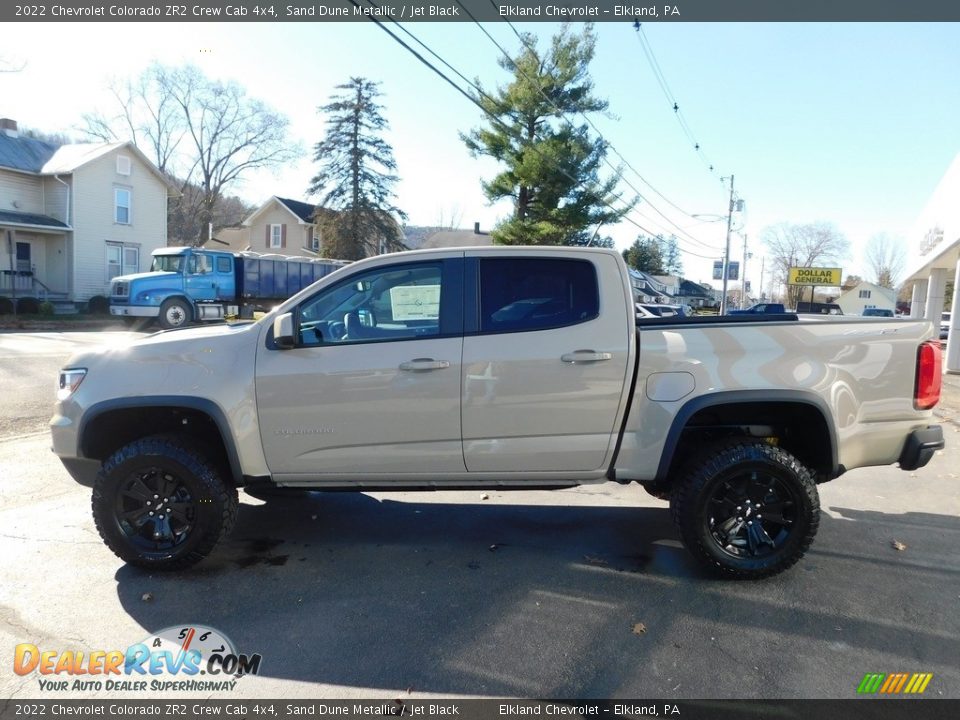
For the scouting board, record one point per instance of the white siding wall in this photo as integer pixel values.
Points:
(55, 198)
(93, 220)
(24, 190)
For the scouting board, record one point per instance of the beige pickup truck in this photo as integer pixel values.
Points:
(495, 368)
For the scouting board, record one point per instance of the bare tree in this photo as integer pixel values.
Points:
(450, 220)
(811, 245)
(205, 135)
(885, 258)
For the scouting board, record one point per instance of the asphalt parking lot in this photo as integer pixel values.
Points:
(581, 593)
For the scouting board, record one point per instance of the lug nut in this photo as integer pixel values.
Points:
(151, 513)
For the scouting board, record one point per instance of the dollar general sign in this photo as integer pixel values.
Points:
(814, 276)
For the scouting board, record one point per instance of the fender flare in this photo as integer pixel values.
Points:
(203, 405)
(736, 397)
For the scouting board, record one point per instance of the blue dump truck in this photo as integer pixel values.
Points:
(187, 285)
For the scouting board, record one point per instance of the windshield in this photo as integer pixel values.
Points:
(167, 263)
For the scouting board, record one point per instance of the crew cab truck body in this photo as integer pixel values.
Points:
(188, 284)
(495, 367)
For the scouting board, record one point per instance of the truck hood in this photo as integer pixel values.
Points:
(191, 347)
(144, 276)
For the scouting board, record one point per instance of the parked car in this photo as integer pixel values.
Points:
(819, 308)
(661, 310)
(760, 309)
(877, 312)
(944, 325)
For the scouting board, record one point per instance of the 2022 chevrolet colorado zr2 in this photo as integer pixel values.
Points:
(495, 368)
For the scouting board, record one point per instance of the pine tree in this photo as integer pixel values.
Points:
(670, 251)
(356, 176)
(645, 255)
(552, 164)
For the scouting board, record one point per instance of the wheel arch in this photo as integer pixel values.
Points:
(803, 417)
(109, 425)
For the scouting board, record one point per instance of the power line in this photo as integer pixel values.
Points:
(668, 93)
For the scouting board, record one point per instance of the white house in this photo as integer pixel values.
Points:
(867, 295)
(74, 216)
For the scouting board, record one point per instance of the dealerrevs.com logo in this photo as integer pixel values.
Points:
(179, 658)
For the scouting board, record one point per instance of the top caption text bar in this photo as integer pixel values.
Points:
(485, 11)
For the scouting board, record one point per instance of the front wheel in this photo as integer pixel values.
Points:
(746, 509)
(158, 503)
(174, 313)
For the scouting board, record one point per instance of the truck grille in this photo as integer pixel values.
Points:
(120, 290)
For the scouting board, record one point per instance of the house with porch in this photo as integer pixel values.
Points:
(74, 216)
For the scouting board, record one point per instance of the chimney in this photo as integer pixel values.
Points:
(476, 225)
(9, 127)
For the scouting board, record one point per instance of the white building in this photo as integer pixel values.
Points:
(867, 295)
(933, 254)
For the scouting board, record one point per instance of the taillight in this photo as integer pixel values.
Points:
(926, 391)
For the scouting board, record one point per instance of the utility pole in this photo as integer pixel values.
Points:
(726, 254)
(743, 280)
(763, 262)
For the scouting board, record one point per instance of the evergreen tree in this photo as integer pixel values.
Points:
(551, 164)
(356, 176)
(670, 251)
(645, 255)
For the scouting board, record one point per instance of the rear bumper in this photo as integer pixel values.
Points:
(920, 446)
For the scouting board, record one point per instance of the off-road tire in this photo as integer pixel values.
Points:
(198, 508)
(174, 313)
(715, 508)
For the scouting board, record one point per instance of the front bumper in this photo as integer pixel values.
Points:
(134, 311)
(920, 446)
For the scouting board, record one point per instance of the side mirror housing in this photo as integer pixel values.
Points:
(283, 336)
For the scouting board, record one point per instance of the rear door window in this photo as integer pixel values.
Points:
(524, 294)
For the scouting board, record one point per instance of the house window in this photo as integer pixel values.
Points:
(122, 260)
(315, 242)
(276, 236)
(864, 294)
(123, 165)
(121, 205)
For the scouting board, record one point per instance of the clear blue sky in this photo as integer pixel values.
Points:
(852, 124)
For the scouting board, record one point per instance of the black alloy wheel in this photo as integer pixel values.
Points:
(746, 509)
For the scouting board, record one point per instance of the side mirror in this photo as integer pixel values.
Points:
(283, 331)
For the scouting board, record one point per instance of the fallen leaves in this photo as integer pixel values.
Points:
(639, 629)
(897, 545)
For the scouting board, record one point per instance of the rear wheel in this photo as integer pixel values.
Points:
(746, 509)
(159, 503)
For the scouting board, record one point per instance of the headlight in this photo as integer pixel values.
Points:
(69, 382)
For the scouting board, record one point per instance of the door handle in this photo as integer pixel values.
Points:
(422, 364)
(585, 356)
